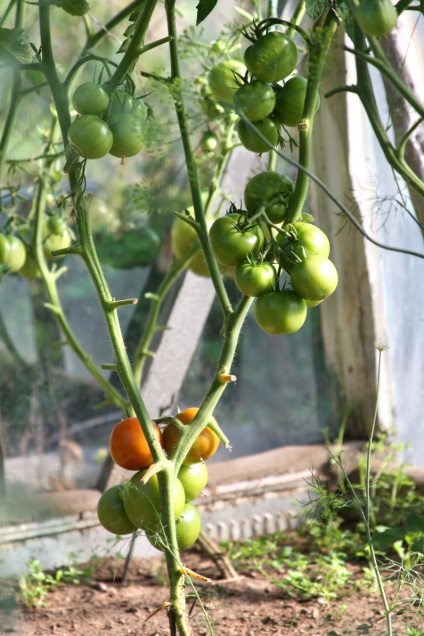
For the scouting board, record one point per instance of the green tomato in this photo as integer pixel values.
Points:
(272, 57)
(30, 268)
(12, 253)
(376, 17)
(270, 190)
(128, 134)
(232, 240)
(111, 513)
(280, 312)
(255, 280)
(256, 100)
(139, 109)
(90, 99)
(250, 138)
(142, 501)
(120, 103)
(90, 137)
(194, 478)
(309, 241)
(188, 527)
(57, 225)
(53, 242)
(291, 101)
(222, 79)
(315, 278)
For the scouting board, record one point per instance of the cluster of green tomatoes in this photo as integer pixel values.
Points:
(136, 504)
(285, 266)
(257, 94)
(15, 253)
(113, 124)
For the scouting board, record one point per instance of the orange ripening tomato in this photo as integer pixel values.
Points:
(128, 446)
(204, 446)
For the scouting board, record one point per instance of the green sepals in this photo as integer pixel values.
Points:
(15, 46)
(315, 8)
(73, 7)
(204, 8)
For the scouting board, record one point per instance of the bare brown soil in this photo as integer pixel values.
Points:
(248, 606)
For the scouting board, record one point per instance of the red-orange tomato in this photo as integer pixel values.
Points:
(204, 446)
(128, 446)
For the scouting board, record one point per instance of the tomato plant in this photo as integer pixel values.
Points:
(90, 137)
(280, 312)
(272, 57)
(204, 446)
(315, 278)
(271, 191)
(256, 100)
(142, 502)
(90, 99)
(111, 513)
(194, 478)
(250, 139)
(53, 242)
(128, 445)
(291, 101)
(255, 279)
(232, 239)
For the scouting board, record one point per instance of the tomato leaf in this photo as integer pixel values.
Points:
(73, 7)
(14, 46)
(204, 8)
(344, 13)
(314, 8)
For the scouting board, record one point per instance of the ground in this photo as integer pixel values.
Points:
(247, 606)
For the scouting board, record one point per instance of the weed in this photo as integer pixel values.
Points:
(35, 585)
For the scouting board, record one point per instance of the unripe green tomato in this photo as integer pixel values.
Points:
(54, 242)
(128, 134)
(111, 513)
(90, 137)
(255, 280)
(184, 238)
(315, 278)
(142, 501)
(272, 57)
(57, 225)
(250, 139)
(255, 99)
(280, 312)
(232, 240)
(222, 79)
(30, 268)
(90, 99)
(291, 101)
(12, 252)
(270, 190)
(188, 527)
(311, 241)
(376, 17)
(194, 478)
(120, 102)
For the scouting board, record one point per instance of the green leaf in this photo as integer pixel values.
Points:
(414, 522)
(14, 46)
(314, 8)
(418, 545)
(344, 13)
(204, 8)
(388, 537)
(73, 7)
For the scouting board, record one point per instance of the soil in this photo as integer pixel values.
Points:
(247, 606)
